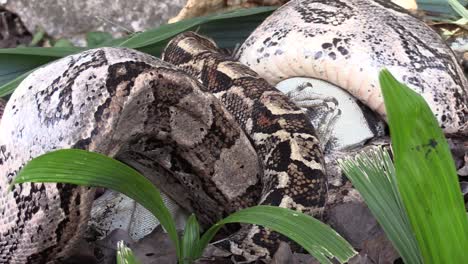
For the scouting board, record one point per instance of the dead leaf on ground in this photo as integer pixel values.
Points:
(196, 8)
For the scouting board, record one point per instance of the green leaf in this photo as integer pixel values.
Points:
(63, 43)
(36, 52)
(125, 254)
(227, 29)
(190, 239)
(442, 10)
(10, 86)
(92, 169)
(373, 175)
(459, 8)
(320, 240)
(15, 63)
(97, 38)
(38, 37)
(113, 42)
(426, 175)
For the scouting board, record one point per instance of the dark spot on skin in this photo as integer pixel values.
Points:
(278, 52)
(327, 45)
(336, 41)
(343, 51)
(318, 55)
(340, 12)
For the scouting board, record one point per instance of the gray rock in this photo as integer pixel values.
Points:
(69, 18)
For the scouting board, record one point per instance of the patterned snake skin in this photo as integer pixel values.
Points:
(281, 133)
(347, 43)
(127, 105)
(225, 141)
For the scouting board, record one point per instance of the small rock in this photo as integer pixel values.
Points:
(283, 255)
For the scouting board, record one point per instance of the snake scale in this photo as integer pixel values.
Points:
(216, 134)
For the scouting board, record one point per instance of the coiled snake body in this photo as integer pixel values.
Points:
(347, 43)
(225, 141)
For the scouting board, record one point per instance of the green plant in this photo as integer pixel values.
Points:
(38, 37)
(418, 203)
(459, 8)
(92, 169)
(125, 254)
(98, 38)
(373, 175)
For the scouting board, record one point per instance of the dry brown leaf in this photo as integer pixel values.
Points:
(408, 4)
(195, 8)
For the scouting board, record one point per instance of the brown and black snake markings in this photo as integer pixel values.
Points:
(282, 135)
(217, 135)
(152, 115)
(127, 105)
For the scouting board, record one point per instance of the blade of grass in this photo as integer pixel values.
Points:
(459, 8)
(426, 175)
(190, 239)
(373, 175)
(38, 37)
(125, 254)
(320, 240)
(92, 169)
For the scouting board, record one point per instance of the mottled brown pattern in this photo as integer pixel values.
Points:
(293, 176)
(123, 104)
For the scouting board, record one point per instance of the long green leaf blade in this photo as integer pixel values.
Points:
(459, 8)
(190, 239)
(17, 63)
(53, 53)
(426, 175)
(92, 169)
(373, 175)
(227, 29)
(320, 240)
(10, 86)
